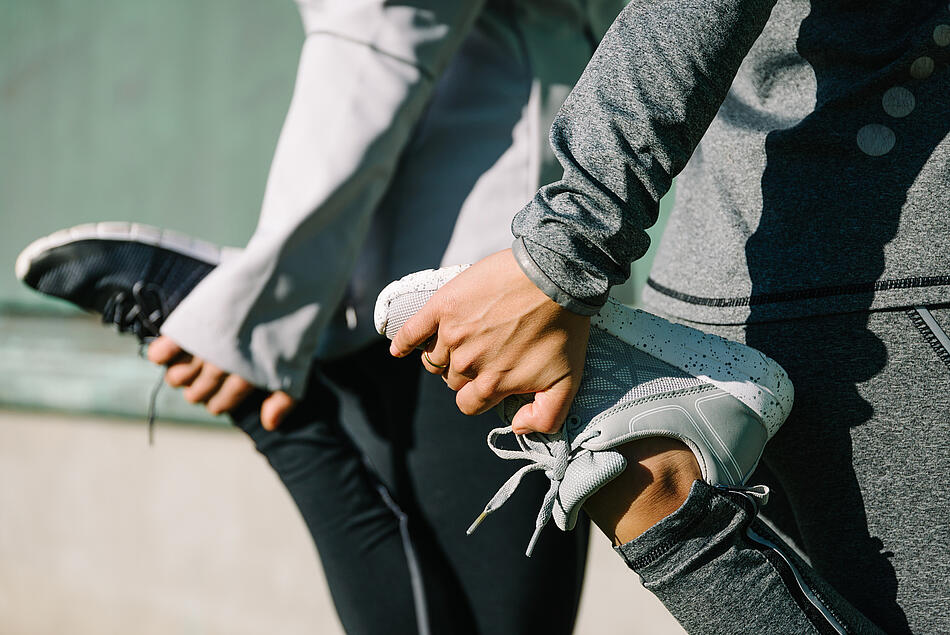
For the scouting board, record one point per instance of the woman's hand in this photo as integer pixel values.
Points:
(205, 383)
(492, 333)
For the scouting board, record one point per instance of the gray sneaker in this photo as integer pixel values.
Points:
(644, 376)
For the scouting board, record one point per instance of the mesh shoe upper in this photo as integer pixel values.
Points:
(643, 376)
(133, 278)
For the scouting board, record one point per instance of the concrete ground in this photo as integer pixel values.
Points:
(101, 534)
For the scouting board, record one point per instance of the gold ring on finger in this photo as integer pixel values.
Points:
(425, 356)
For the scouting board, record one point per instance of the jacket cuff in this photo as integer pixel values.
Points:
(244, 359)
(531, 269)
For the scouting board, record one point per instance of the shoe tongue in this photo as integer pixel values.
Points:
(537, 442)
(509, 406)
(586, 473)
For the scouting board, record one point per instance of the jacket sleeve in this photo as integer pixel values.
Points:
(629, 126)
(366, 72)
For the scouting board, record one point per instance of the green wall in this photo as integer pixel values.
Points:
(165, 113)
(161, 112)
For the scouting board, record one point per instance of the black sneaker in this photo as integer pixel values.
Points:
(132, 275)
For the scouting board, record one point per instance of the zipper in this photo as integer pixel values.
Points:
(757, 496)
(935, 336)
(808, 594)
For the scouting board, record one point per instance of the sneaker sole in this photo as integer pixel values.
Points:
(747, 374)
(119, 231)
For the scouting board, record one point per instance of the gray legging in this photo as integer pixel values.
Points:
(389, 517)
(859, 475)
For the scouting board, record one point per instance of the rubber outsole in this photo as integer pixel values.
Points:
(119, 231)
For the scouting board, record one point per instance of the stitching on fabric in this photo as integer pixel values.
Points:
(828, 605)
(412, 562)
(429, 75)
(652, 398)
(929, 337)
(802, 294)
(664, 547)
(778, 564)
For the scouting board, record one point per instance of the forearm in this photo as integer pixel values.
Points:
(630, 125)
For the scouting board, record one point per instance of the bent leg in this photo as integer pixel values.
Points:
(712, 563)
(357, 532)
(719, 569)
(453, 475)
(393, 546)
(861, 484)
(436, 462)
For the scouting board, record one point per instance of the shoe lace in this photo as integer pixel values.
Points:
(140, 312)
(549, 452)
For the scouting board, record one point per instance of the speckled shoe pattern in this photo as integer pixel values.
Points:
(644, 376)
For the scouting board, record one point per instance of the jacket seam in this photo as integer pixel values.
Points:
(429, 75)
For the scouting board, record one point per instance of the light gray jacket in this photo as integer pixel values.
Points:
(414, 134)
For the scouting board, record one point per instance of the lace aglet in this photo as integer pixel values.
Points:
(150, 416)
(478, 521)
(534, 541)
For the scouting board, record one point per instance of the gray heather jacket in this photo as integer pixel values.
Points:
(415, 133)
(818, 176)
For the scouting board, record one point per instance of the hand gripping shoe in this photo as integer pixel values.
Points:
(133, 275)
(643, 377)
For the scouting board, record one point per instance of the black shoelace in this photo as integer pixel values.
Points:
(140, 313)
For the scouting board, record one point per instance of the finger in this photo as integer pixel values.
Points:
(275, 409)
(435, 362)
(454, 380)
(476, 397)
(163, 350)
(232, 392)
(207, 383)
(548, 410)
(183, 373)
(417, 330)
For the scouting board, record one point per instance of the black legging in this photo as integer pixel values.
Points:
(392, 536)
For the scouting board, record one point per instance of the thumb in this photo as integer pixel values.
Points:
(163, 350)
(417, 330)
(275, 409)
(548, 410)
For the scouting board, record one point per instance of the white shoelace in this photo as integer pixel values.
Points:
(548, 452)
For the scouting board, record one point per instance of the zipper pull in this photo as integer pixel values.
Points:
(758, 495)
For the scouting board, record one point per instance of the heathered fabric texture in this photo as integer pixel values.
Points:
(858, 476)
(821, 186)
(699, 561)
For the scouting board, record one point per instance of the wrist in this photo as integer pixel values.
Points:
(550, 288)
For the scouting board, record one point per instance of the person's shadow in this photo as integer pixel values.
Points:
(834, 196)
